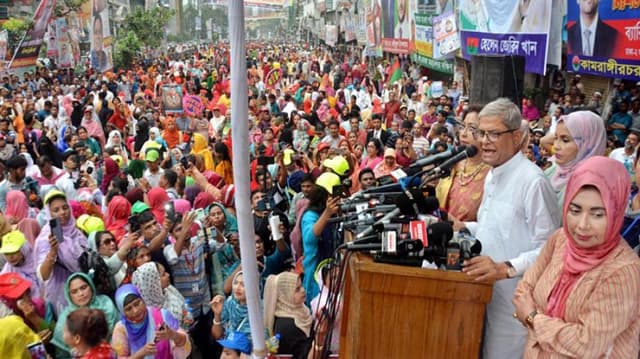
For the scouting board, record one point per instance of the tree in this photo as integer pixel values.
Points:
(148, 25)
(16, 28)
(126, 49)
(64, 7)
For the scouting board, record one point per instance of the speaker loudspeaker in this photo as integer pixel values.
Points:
(496, 76)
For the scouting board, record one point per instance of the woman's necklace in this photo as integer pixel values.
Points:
(464, 178)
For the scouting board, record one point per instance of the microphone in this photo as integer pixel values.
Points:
(438, 157)
(446, 165)
(401, 186)
(387, 217)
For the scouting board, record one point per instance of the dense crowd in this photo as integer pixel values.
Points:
(118, 225)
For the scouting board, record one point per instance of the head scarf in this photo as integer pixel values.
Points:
(157, 198)
(15, 336)
(200, 147)
(101, 302)
(135, 195)
(94, 126)
(203, 200)
(612, 181)
(182, 206)
(278, 302)
(118, 212)
(147, 279)
(214, 179)
(158, 138)
(76, 208)
(111, 171)
(230, 221)
(27, 270)
(589, 134)
(191, 192)
(136, 168)
(172, 137)
(142, 135)
(17, 205)
(138, 335)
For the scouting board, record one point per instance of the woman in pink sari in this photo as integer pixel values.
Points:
(91, 122)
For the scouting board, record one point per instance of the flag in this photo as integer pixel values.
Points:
(396, 72)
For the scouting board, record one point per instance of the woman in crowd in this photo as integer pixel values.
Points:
(92, 123)
(115, 142)
(171, 134)
(21, 216)
(21, 260)
(146, 331)
(86, 332)
(388, 165)
(55, 260)
(104, 243)
(374, 150)
(285, 313)
(111, 171)
(157, 197)
(199, 146)
(579, 299)
(15, 337)
(316, 233)
(460, 194)
(578, 136)
(231, 315)
(153, 282)
(223, 162)
(118, 212)
(81, 293)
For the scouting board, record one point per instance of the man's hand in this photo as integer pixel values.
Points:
(483, 268)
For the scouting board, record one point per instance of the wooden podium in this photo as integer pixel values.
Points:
(393, 311)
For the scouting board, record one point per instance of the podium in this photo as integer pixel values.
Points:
(392, 311)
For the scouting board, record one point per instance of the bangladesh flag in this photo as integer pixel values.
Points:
(396, 72)
(473, 43)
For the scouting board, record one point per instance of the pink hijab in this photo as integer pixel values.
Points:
(612, 181)
(17, 205)
(588, 132)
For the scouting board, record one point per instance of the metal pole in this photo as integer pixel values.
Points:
(240, 137)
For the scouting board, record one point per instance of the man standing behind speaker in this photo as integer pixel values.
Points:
(517, 214)
(590, 36)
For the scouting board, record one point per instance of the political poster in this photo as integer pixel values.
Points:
(64, 43)
(445, 35)
(27, 53)
(398, 34)
(172, 98)
(424, 41)
(192, 105)
(332, 35)
(373, 24)
(4, 35)
(273, 78)
(603, 38)
(506, 28)
(101, 59)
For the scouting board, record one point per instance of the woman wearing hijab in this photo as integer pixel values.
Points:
(285, 313)
(55, 260)
(232, 314)
(578, 136)
(81, 293)
(157, 197)
(203, 200)
(92, 123)
(21, 260)
(200, 147)
(153, 282)
(171, 134)
(142, 136)
(47, 147)
(580, 297)
(388, 165)
(117, 218)
(191, 192)
(115, 257)
(111, 171)
(224, 167)
(115, 142)
(21, 216)
(146, 331)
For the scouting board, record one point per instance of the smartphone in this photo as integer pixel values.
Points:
(37, 351)
(200, 215)
(134, 226)
(185, 162)
(170, 211)
(56, 229)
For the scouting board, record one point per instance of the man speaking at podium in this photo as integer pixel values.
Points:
(517, 214)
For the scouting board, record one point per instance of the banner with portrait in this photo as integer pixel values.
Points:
(506, 28)
(424, 41)
(27, 52)
(373, 24)
(603, 38)
(4, 38)
(64, 43)
(398, 31)
(331, 35)
(101, 50)
(445, 35)
(172, 98)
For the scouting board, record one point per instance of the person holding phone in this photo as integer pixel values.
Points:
(58, 248)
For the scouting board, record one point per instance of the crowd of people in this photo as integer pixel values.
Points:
(120, 238)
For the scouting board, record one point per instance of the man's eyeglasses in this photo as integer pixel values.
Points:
(493, 136)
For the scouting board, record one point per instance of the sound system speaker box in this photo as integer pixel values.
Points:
(496, 76)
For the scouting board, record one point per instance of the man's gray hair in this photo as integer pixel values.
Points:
(504, 109)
